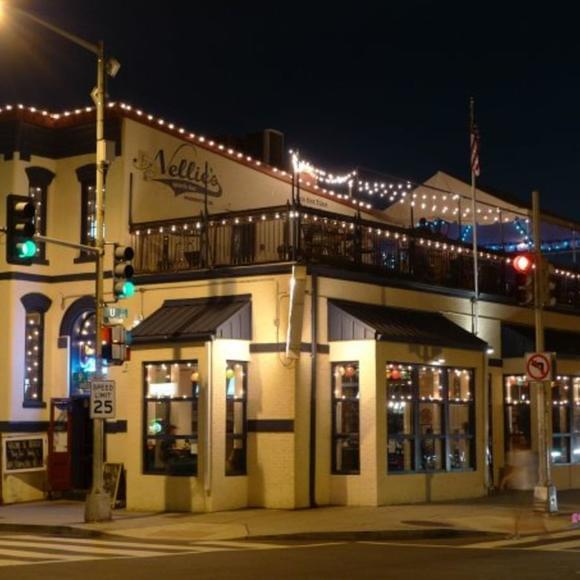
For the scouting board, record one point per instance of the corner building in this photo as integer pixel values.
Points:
(291, 346)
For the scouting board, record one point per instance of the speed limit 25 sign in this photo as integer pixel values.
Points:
(103, 400)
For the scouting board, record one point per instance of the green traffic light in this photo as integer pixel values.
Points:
(26, 249)
(128, 289)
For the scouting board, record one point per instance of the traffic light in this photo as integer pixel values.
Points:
(548, 283)
(123, 285)
(20, 230)
(523, 265)
(115, 344)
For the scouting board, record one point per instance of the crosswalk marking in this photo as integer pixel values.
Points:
(28, 549)
(81, 549)
(98, 542)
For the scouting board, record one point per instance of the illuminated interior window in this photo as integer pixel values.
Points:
(172, 391)
(33, 356)
(517, 413)
(236, 417)
(565, 419)
(83, 353)
(345, 418)
(430, 418)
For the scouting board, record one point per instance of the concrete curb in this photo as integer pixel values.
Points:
(381, 535)
(55, 530)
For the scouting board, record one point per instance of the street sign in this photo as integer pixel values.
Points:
(103, 400)
(539, 366)
(114, 315)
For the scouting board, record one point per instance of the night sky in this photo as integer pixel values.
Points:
(385, 87)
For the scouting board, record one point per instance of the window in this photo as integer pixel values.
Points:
(83, 352)
(236, 423)
(430, 418)
(39, 179)
(33, 358)
(566, 420)
(35, 305)
(171, 417)
(87, 176)
(88, 215)
(517, 413)
(345, 418)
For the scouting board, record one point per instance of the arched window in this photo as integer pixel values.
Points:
(79, 324)
(35, 305)
(83, 352)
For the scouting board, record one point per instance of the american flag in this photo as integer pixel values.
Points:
(475, 150)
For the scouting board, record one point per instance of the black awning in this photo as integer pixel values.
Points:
(517, 340)
(197, 319)
(357, 321)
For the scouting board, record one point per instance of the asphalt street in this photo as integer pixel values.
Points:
(29, 556)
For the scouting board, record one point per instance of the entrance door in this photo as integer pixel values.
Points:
(70, 445)
(59, 449)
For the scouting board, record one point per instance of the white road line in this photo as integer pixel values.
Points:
(97, 542)
(237, 545)
(82, 549)
(557, 547)
(21, 562)
(523, 540)
(32, 554)
(403, 544)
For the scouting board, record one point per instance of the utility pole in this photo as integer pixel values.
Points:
(98, 504)
(545, 495)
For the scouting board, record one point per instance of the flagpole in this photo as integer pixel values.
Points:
(473, 138)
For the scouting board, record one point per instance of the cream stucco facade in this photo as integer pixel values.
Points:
(288, 409)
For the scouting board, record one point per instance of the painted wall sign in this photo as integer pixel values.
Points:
(180, 169)
(170, 176)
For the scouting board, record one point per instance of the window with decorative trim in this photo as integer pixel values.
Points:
(35, 306)
(39, 180)
(345, 418)
(430, 418)
(83, 362)
(171, 417)
(87, 178)
(236, 417)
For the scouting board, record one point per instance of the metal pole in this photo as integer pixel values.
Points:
(98, 504)
(545, 498)
(474, 237)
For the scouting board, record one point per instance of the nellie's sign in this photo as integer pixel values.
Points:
(179, 170)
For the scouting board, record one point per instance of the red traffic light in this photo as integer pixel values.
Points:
(523, 263)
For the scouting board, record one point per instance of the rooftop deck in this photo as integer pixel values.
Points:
(281, 234)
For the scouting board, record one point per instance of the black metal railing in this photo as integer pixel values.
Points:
(282, 234)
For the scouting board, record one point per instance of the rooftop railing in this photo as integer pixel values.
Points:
(283, 234)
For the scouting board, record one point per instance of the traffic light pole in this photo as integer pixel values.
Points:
(98, 504)
(98, 507)
(545, 495)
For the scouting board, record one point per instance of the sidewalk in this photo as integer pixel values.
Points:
(508, 514)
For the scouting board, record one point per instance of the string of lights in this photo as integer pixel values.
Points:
(395, 190)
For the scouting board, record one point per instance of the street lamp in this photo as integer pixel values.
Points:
(98, 504)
